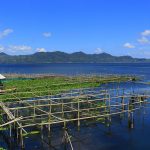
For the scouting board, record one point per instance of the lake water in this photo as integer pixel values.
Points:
(73, 69)
(96, 136)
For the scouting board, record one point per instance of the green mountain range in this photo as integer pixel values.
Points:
(61, 57)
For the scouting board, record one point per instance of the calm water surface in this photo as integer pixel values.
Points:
(72, 69)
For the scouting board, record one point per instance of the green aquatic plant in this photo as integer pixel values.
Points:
(2, 128)
(31, 133)
(1, 148)
(23, 89)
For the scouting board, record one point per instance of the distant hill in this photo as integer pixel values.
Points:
(61, 57)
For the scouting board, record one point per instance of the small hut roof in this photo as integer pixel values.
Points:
(1, 77)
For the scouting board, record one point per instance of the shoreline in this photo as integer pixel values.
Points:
(50, 75)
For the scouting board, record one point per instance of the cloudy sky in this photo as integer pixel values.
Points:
(118, 27)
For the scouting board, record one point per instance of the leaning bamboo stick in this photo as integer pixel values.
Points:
(10, 122)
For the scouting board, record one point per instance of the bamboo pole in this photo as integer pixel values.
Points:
(21, 139)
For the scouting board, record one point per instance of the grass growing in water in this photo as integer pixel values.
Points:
(52, 85)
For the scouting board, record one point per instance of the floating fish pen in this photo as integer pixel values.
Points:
(67, 107)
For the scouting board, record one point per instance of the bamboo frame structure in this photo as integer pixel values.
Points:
(69, 107)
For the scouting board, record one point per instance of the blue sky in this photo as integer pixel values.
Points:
(118, 27)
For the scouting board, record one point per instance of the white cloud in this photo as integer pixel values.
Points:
(146, 33)
(2, 48)
(47, 34)
(98, 51)
(128, 45)
(41, 50)
(16, 49)
(23, 48)
(140, 53)
(144, 40)
(5, 32)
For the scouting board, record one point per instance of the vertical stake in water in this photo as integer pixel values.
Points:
(10, 131)
(21, 138)
(109, 109)
(78, 114)
(34, 110)
(122, 103)
(64, 136)
(49, 126)
(105, 99)
(132, 120)
(42, 132)
(109, 114)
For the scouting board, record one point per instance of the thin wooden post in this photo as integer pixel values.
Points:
(42, 137)
(64, 140)
(62, 109)
(17, 132)
(109, 107)
(21, 139)
(106, 106)
(128, 110)
(78, 113)
(131, 120)
(10, 130)
(49, 126)
(49, 134)
(34, 110)
(122, 102)
(105, 100)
